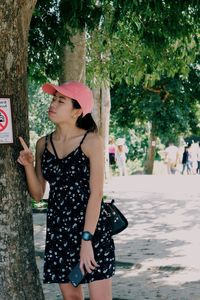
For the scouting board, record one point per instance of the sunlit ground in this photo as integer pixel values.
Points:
(163, 238)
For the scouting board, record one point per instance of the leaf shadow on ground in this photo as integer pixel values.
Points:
(160, 230)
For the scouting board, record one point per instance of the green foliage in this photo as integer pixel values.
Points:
(135, 41)
(41, 204)
(142, 63)
(172, 105)
(52, 25)
(45, 35)
(158, 20)
(38, 107)
(136, 137)
(77, 13)
(143, 41)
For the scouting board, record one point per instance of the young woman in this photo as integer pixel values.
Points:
(71, 159)
(111, 150)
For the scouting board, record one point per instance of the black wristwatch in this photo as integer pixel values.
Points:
(87, 236)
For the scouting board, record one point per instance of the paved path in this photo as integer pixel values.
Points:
(158, 256)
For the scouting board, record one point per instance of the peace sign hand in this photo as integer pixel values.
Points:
(26, 156)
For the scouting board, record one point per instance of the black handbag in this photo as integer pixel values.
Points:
(117, 220)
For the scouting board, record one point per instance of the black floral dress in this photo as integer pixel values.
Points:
(69, 193)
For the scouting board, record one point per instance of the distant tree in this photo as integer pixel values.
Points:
(171, 106)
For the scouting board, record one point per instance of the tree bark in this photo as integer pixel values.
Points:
(19, 276)
(97, 106)
(102, 118)
(105, 119)
(149, 164)
(72, 59)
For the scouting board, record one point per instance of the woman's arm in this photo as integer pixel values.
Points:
(96, 156)
(94, 150)
(36, 182)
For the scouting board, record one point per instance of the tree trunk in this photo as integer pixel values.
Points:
(19, 277)
(102, 118)
(105, 119)
(97, 94)
(72, 59)
(148, 167)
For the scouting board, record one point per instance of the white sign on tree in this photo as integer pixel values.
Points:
(6, 127)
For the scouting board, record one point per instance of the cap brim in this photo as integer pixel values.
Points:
(51, 89)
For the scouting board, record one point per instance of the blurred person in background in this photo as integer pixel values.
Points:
(120, 156)
(185, 162)
(198, 159)
(111, 150)
(171, 158)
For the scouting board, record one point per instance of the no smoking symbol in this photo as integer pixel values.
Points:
(3, 120)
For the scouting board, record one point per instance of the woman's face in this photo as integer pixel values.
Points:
(111, 141)
(61, 109)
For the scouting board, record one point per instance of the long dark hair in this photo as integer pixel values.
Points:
(87, 122)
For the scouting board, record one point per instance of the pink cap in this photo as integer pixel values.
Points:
(74, 90)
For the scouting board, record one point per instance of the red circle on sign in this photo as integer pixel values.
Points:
(3, 126)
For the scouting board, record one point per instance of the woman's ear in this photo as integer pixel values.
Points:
(77, 113)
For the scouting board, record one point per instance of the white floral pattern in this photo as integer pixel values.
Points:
(69, 192)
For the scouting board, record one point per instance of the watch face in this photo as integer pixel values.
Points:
(86, 236)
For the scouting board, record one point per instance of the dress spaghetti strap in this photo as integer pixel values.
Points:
(83, 138)
(54, 149)
(46, 140)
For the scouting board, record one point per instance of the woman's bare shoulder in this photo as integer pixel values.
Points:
(93, 143)
(94, 139)
(40, 145)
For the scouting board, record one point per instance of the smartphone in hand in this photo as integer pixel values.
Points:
(76, 275)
